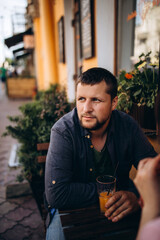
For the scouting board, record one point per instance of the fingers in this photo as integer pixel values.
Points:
(119, 216)
(114, 207)
(121, 204)
(157, 157)
(115, 210)
(142, 163)
(115, 198)
(148, 168)
(154, 163)
(145, 163)
(120, 212)
(147, 180)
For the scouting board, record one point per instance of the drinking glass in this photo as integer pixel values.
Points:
(106, 186)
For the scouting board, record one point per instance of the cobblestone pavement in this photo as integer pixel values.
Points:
(19, 217)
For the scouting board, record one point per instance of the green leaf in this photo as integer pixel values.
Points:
(137, 92)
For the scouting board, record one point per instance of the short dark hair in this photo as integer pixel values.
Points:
(96, 75)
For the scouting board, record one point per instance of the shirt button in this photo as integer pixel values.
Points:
(87, 136)
(90, 169)
(91, 146)
(53, 181)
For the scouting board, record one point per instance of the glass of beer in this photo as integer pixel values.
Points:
(106, 186)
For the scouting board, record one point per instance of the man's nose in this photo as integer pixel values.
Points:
(87, 106)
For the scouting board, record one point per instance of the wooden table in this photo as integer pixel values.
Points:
(88, 223)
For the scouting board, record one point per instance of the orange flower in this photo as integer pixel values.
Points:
(128, 75)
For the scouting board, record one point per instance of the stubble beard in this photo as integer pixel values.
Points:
(96, 126)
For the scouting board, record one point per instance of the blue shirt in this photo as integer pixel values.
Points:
(70, 157)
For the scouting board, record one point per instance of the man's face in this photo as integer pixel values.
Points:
(94, 105)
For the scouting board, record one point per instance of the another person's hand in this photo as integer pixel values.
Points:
(147, 180)
(120, 205)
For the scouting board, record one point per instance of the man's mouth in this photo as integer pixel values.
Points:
(87, 116)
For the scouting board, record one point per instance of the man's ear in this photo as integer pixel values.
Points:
(114, 103)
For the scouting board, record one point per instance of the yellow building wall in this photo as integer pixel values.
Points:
(58, 9)
(48, 67)
(38, 54)
(92, 62)
(58, 12)
(48, 43)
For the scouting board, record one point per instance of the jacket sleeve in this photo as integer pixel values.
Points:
(60, 189)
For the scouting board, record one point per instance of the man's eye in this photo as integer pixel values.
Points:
(81, 99)
(96, 100)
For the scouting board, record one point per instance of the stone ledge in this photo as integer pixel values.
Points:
(17, 189)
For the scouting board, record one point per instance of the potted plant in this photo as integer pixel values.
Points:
(137, 91)
(33, 126)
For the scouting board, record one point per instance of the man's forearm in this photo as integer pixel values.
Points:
(72, 195)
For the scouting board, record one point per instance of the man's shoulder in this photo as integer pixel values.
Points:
(123, 120)
(122, 116)
(68, 121)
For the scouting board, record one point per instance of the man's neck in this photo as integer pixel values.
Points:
(101, 132)
(98, 138)
(99, 141)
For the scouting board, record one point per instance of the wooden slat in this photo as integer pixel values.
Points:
(91, 234)
(42, 146)
(98, 229)
(41, 159)
(90, 208)
(88, 223)
(149, 131)
(123, 235)
(83, 215)
(77, 216)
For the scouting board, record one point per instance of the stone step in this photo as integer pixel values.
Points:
(13, 188)
(17, 189)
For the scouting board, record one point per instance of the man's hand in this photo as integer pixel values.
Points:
(120, 205)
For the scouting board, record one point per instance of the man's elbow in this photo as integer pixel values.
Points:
(56, 199)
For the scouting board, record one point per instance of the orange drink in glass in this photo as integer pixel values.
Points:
(106, 186)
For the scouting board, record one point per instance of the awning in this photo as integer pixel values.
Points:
(18, 50)
(23, 55)
(22, 52)
(15, 39)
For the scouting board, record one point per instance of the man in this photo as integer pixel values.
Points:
(88, 142)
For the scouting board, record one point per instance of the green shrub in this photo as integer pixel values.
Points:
(34, 124)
